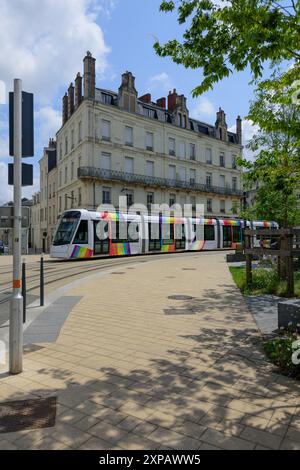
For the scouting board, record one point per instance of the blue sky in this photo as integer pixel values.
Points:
(120, 34)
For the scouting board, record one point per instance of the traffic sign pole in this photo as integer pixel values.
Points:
(16, 304)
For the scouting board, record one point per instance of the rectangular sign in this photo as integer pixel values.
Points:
(7, 214)
(27, 124)
(27, 174)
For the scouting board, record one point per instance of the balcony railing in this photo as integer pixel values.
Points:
(152, 181)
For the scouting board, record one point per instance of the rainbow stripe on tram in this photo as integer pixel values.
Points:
(81, 252)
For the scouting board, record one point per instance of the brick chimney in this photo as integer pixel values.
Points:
(239, 129)
(78, 90)
(172, 97)
(70, 100)
(161, 102)
(145, 98)
(127, 96)
(64, 109)
(89, 76)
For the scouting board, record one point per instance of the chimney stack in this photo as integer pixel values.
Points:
(89, 76)
(64, 109)
(239, 129)
(52, 143)
(172, 97)
(70, 100)
(161, 102)
(145, 98)
(78, 90)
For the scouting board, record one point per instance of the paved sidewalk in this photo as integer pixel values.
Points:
(163, 355)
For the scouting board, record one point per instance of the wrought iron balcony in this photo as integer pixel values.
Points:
(152, 181)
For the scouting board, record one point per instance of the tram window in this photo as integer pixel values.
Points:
(81, 237)
(133, 231)
(168, 234)
(154, 231)
(180, 231)
(101, 230)
(199, 231)
(209, 232)
(124, 232)
(236, 234)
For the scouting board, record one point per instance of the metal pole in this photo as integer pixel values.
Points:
(15, 323)
(24, 289)
(42, 281)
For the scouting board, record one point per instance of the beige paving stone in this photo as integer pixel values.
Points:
(95, 443)
(219, 439)
(262, 437)
(290, 444)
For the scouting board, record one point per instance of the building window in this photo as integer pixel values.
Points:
(222, 159)
(72, 170)
(209, 205)
(149, 168)
(72, 199)
(149, 141)
(172, 199)
(233, 161)
(182, 149)
(222, 181)
(106, 195)
(59, 203)
(66, 202)
(105, 130)
(150, 200)
(66, 174)
(79, 162)
(128, 135)
(172, 172)
(222, 205)
(50, 191)
(192, 176)
(193, 202)
(79, 131)
(105, 161)
(60, 151)
(130, 199)
(209, 180)
(208, 156)
(192, 152)
(79, 197)
(53, 189)
(66, 145)
(72, 138)
(128, 165)
(182, 173)
(172, 146)
(234, 183)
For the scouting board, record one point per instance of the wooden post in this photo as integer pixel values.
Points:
(248, 261)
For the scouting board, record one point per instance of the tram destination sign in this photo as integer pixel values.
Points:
(7, 217)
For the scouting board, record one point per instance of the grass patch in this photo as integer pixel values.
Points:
(264, 281)
(284, 352)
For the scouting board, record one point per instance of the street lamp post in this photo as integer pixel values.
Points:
(16, 303)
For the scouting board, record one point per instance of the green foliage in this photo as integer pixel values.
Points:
(221, 36)
(280, 351)
(264, 281)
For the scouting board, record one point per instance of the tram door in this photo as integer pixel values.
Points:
(101, 243)
(179, 237)
(226, 236)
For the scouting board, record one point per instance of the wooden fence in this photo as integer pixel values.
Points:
(283, 243)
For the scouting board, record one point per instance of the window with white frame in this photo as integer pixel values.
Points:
(66, 174)
(171, 146)
(182, 149)
(128, 165)
(192, 176)
(208, 155)
(209, 205)
(72, 170)
(222, 159)
(79, 131)
(222, 181)
(105, 161)
(105, 130)
(222, 205)
(234, 183)
(105, 195)
(182, 173)
(149, 168)
(172, 172)
(128, 135)
(72, 138)
(208, 180)
(149, 141)
(192, 152)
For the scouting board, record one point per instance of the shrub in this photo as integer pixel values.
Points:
(280, 352)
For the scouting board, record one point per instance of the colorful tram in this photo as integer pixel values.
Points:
(86, 234)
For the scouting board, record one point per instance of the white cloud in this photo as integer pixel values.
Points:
(204, 109)
(161, 81)
(6, 193)
(43, 43)
(49, 121)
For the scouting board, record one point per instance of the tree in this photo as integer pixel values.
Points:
(277, 150)
(221, 36)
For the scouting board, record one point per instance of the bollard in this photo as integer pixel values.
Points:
(24, 289)
(42, 281)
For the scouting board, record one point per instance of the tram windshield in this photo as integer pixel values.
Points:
(66, 228)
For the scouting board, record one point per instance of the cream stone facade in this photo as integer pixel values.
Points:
(116, 143)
